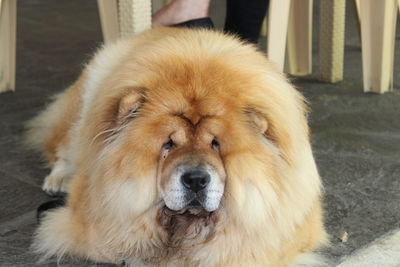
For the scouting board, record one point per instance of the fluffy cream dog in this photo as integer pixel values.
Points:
(180, 147)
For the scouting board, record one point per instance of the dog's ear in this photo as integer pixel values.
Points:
(129, 104)
(115, 111)
(258, 120)
(273, 130)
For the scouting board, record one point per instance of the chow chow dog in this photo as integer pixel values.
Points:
(180, 147)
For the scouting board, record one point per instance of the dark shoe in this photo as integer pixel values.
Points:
(205, 23)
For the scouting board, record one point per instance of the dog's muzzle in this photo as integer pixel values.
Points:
(194, 187)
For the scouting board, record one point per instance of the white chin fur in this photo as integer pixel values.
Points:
(212, 204)
(176, 203)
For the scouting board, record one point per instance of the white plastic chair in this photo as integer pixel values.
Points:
(331, 39)
(290, 22)
(290, 37)
(118, 18)
(378, 25)
(8, 16)
(378, 29)
(378, 34)
(121, 18)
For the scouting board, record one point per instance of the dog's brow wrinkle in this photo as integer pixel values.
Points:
(186, 119)
(183, 117)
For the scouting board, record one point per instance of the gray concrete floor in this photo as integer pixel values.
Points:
(356, 136)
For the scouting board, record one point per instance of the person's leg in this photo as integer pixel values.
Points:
(245, 17)
(180, 11)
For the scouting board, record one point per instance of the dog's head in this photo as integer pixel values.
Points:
(183, 132)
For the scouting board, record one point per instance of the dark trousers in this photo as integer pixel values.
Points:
(245, 17)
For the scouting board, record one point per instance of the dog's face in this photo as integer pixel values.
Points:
(173, 141)
(191, 172)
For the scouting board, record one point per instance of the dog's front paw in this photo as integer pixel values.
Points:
(55, 185)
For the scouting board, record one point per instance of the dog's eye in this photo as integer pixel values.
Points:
(215, 144)
(168, 145)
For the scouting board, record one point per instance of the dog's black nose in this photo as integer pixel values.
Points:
(195, 180)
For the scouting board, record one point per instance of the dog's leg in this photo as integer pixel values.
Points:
(57, 181)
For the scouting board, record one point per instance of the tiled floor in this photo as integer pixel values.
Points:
(356, 136)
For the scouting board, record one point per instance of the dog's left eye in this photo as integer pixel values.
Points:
(168, 145)
(215, 144)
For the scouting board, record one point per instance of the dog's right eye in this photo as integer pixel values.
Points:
(215, 144)
(168, 145)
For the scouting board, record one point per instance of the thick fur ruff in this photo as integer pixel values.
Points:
(104, 138)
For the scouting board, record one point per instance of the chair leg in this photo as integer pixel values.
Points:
(108, 10)
(8, 14)
(134, 16)
(298, 59)
(357, 3)
(378, 28)
(331, 39)
(278, 17)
